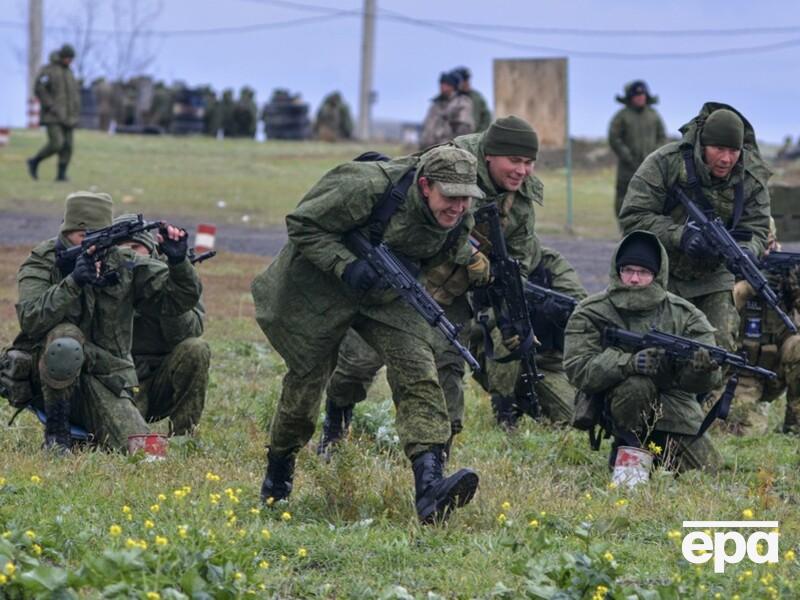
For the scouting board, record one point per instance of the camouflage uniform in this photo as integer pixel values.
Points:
(333, 119)
(447, 118)
(53, 306)
(556, 395)
(480, 111)
(59, 96)
(649, 206)
(633, 134)
(663, 407)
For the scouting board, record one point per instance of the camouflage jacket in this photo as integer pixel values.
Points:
(301, 302)
(446, 119)
(58, 94)
(648, 201)
(633, 134)
(480, 111)
(104, 314)
(594, 369)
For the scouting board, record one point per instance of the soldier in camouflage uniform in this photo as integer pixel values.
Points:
(450, 113)
(317, 289)
(554, 392)
(649, 396)
(245, 114)
(716, 163)
(59, 96)
(766, 341)
(79, 330)
(171, 360)
(506, 153)
(634, 132)
(480, 108)
(333, 119)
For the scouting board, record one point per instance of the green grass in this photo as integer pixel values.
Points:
(258, 182)
(353, 531)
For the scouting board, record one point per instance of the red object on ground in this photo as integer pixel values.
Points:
(204, 238)
(152, 444)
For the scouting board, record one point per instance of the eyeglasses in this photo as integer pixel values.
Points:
(641, 273)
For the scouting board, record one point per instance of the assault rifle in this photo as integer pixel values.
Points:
(537, 294)
(103, 240)
(394, 273)
(196, 259)
(780, 262)
(736, 260)
(506, 295)
(679, 347)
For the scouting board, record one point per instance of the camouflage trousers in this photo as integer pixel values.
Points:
(632, 405)
(109, 415)
(59, 141)
(174, 385)
(749, 409)
(624, 176)
(421, 413)
(720, 311)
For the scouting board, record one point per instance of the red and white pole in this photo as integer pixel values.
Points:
(205, 237)
(34, 109)
(5, 136)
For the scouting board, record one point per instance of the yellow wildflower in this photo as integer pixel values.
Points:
(179, 494)
(265, 534)
(148, 524)
(126, 509)
(255, 511)
(506, 506)
(161, 541)
(789, 555)
(213, 498)
(674, 534)
(115, 530)
(655, 448)
(155, 508)
(588, 496)
(608, 556)
(153, 596)
(10, 568)
(183, 531)
(747, 513)
(501, 519)
(30, 534)
(600, 593)
(3, 579)
(238, 575)
(621, 502)
(211, 476)
(543, 514)
(284, 558)
(263, 565)
(270, 501)
(302, 552)
(286, 516)
(36, 479)
(161, 497)
(187, 489)
(2, 481)
(612, 486)
(36, 549)
(533, 523)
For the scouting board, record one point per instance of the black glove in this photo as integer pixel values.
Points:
(175, 250)
(551, 311)
(695, 244)
(360, 275)
(85, 270)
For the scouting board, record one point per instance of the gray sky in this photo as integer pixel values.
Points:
(317, 57)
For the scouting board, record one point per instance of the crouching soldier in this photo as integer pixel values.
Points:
(171, 360)
(76, 321)
(648, 396)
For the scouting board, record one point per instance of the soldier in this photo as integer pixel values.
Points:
(480, 109)
(223, 115)
(766, 341)
(245, 114)
(59, 96)
(718, 165)
(648, 396)
(103, 92)
(554, 392)
(634, 132)
(449, 115)
(171, 360)
(333, 119)
(78, 327)
(316, 289)
(506, 154)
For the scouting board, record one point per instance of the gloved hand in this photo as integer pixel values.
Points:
(553, 312)
(360, 275)
(646, 362)
(512, 342)
(175, 244)
(85, 270)
(479, 269)
(694, 244)
(702, 362)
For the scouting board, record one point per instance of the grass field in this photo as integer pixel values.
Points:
(261, 182)
(544, 524)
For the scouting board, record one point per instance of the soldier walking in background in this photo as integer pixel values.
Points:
(59, 96)
(449, 115)
(634, 132)
(480, 108)
(334, 121)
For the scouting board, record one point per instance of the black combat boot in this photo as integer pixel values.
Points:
(505, 411)
(278, 479)
(33, 168)
(62, 173)
(56, 430)
(437, 495)
(335, 427)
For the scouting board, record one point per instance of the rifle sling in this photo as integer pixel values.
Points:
(721, 407)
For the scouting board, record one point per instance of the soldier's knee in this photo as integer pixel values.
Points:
(62, 358)
(195, 350)
(632, 401)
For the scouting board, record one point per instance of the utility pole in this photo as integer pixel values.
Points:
(35, 19)
(367, 61)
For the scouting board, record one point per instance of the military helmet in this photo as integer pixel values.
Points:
(67, 51)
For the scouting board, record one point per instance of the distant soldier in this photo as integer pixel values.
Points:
(480, 108)
(449, 115)
(334, 121)
(103, 93)
(161, 108)
(59, 96)
(767, 342)
(245, 114)
(634, 132)
(223, 115)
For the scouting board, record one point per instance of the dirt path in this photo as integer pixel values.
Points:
(590, 257)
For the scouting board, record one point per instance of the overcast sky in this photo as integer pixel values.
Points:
(317, 56)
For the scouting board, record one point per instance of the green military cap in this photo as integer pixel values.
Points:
(145, 238)
(87, 211)
(723, 128)
(511, 136)
(454, 169)
(67, 51)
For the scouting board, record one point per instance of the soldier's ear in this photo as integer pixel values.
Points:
(424, 186)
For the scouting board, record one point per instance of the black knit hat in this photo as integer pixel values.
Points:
(450, 78)
(641, 250)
